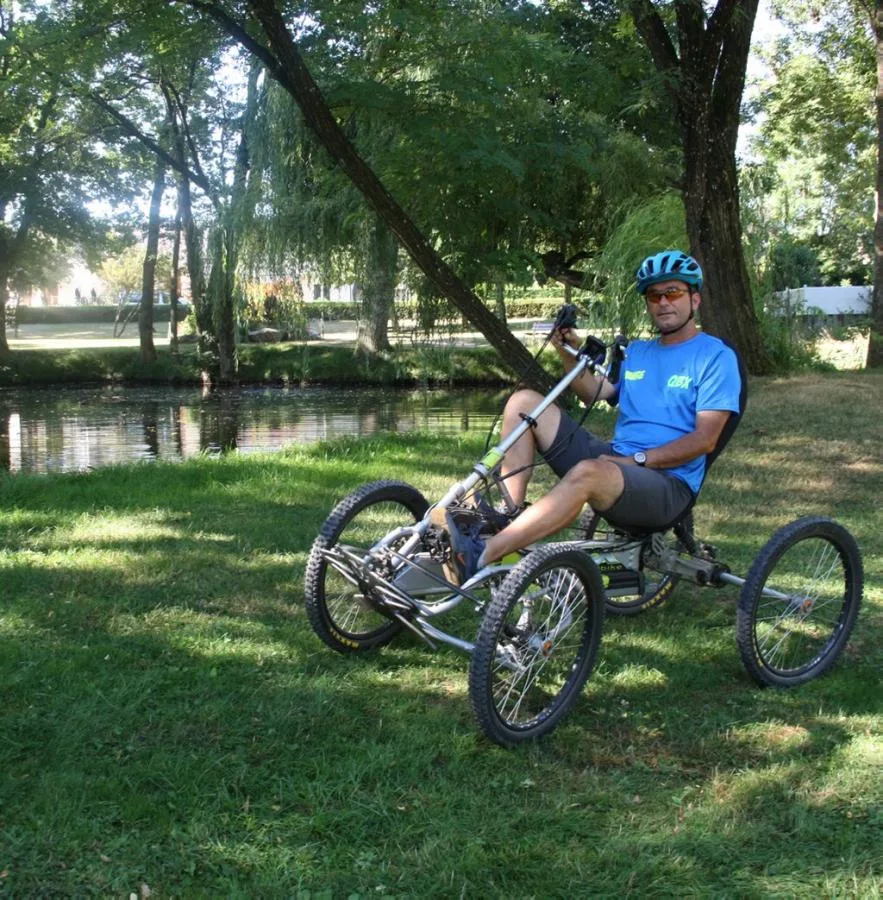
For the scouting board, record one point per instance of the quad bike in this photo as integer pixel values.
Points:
(377, 568)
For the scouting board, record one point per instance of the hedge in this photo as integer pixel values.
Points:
(516, 308)
(67, 315)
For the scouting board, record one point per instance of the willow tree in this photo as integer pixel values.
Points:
(160, 68)
(301, 214)
(495, 165)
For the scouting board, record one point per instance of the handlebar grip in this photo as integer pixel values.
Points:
(566, 316)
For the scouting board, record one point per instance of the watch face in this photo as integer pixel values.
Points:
(640, 458)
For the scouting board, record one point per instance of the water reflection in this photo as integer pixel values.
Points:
(74, 430)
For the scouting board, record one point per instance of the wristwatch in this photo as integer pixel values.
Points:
(640, 458)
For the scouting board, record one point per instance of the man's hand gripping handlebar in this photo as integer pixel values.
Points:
(593, 348)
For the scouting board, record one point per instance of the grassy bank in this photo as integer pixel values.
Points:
(259, 364)
(168, 720)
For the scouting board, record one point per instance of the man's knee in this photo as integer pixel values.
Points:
(522, 401)
(586, 473)
(520, 406)
(596, 480)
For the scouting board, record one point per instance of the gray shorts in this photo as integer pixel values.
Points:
(652, 499)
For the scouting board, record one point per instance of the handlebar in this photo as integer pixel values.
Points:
(595, 352)
(566, 317)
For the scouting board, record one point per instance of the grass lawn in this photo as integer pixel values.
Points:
(170, 725)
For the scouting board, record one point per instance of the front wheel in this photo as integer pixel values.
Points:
(799, 602)
(536, 644)
(338, 611)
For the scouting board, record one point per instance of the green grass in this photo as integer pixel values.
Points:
(168, 719)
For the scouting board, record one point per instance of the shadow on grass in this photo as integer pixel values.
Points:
(193, 737)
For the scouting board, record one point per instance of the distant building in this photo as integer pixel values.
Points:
(80, 287)
(842, 303)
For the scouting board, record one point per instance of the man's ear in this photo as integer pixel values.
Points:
(695, 300)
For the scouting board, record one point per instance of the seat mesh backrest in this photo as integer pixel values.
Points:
(733, 421)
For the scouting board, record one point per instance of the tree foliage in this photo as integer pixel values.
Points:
(53, 159)
(481, 119)
(496, 141)
(818, 143)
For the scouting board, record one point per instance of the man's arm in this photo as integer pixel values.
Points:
(699, 442)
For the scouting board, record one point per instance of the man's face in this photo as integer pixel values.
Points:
(670, 304)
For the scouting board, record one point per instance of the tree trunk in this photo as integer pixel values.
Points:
(875, 343)
(222, 282)
(714, 229)
(222, 292)
(148, 278)
(4, 292)
(10, 250)
(193, 252)
(500, 300)
(284, 62)
(380, 285)
(707, 81)
(174, 287)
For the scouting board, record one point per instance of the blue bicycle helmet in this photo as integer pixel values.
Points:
(668, 265)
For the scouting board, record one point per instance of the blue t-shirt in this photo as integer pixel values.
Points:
(661, 389)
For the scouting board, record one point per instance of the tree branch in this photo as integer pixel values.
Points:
(151, 143)
(652, 29)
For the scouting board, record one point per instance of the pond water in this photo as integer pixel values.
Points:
(60, 430)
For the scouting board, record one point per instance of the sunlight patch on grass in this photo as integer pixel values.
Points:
(637, 675)
(851, 775)
(204, 636)
(770, 737)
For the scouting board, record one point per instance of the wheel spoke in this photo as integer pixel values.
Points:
(799, 602)
(796, 635)
(521, 686)
(336, 602)
(537, 643)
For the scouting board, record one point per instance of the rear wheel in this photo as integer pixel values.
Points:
(536, 645)
(628, 592)
(337, 609)
(799, 602)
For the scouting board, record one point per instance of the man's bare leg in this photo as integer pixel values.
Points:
(598, 482)
(521, 455)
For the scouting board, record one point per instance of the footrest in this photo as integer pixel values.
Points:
(623, 583)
